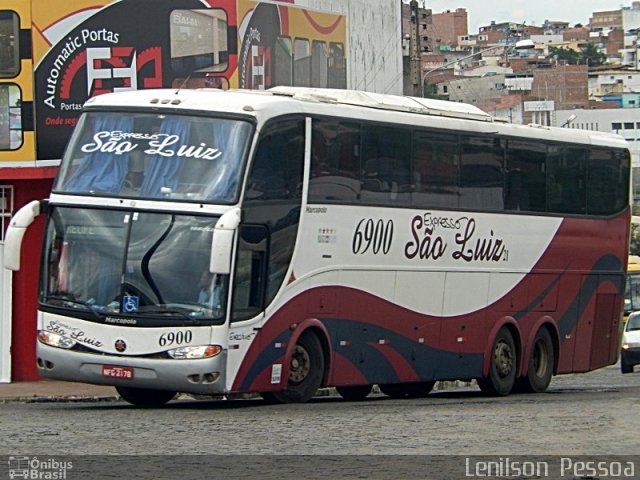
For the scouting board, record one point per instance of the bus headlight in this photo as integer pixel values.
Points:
(190, 353)
(56, 340)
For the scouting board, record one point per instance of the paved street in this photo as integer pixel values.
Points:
(450, 434)
(589, 414)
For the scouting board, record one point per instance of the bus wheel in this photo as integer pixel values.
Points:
(502, 369)
(305, 371)
(540, 368)
(410, 390)
(625, 367)
(354, 393)
(145, 397)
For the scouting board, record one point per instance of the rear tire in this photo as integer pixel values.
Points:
(354, 393)
(502, 367)
(145, 397)
(625, 367)
(541, 364)
(306, 370)
(268, 397)
(407, 390)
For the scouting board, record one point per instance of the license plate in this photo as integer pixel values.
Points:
(113, 371)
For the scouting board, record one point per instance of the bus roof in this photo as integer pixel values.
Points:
(425, 112)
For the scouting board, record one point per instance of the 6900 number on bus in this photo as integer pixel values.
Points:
(372, 235)
(175, 338)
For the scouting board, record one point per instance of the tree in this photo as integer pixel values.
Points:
(588, 55)
(592, 56)
(567, 55)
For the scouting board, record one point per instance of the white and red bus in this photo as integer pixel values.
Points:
(219, 242)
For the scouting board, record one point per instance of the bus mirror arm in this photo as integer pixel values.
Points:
(222, 242)
(16, 230)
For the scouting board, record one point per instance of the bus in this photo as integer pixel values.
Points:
(56, 55)
(342, 238)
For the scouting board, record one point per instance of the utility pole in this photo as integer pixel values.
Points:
(636, 57)
(414, 50)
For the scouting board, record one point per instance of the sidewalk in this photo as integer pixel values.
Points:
(54, 391)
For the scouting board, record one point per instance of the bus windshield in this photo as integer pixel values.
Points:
(149, 155)
(111, 265)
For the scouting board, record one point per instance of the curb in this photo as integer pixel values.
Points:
(323, 392)
(60, 399)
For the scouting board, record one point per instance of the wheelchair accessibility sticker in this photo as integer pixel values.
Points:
(130, 304)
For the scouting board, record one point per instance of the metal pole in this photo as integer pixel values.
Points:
(414, 63)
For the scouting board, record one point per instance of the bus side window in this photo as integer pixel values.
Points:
(334, 162)
(249, 282)
(482, 173)
(607, 176)
(566, 180)
(386, 177)
(276, 173)
(525, 176)
(435, 170)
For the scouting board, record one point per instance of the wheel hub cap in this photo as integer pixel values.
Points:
(503, 359)
(300, 365)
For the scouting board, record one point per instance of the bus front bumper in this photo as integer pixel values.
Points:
(201, 376)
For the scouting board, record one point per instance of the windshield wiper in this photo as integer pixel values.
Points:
(199, 310)
(68, 301)
(185, 313)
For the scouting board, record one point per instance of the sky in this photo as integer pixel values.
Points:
(531, 12)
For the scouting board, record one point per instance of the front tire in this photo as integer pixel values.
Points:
(354, 393)
(306, 370)
(624, 366)
(541, 364)
(502, 367)
(145, 397)
(407, 390)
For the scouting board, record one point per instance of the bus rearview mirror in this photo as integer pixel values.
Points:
(222, 242)
(17, 228)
